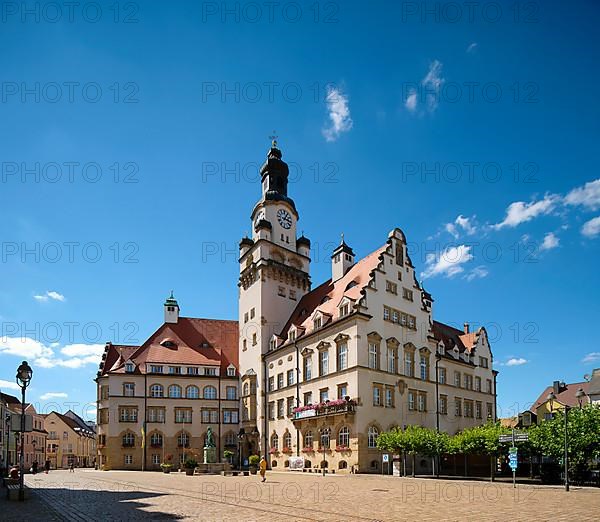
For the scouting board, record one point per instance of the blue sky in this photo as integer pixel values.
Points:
(129, 141)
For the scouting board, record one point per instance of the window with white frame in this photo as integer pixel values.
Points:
(231, 393)
(372, 435)
(308, 439)
(290, 377)
(373, 355)
(323, 362)
(376, 396)
(174, 391)
(209, 392)
(442, 375)
(389, 397)
(408, 363)
(392, 356)
(423, 366)
(307, 363)
(192, 392)
(156, 390)
(411, 400)
(342, 356)
(324, 395)
(128, 389)
(344, 437)
(128, 459)
(422, 401)
(280, 380)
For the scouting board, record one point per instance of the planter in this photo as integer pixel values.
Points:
(253, 470)
(189, 472)
(166, 470)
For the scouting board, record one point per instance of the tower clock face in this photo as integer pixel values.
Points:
(284, 218)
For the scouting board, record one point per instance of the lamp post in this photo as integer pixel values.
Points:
(241, 436)
(24, 373)
(324, 432)
(7, 459)
(437, 412)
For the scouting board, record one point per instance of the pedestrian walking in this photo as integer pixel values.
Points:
(263, 469)
(47, 466)
(71, 468)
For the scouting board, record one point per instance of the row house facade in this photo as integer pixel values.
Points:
(156, 401)
(70, 441)
(325, 371)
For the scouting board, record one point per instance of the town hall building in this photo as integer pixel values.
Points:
(320, 372)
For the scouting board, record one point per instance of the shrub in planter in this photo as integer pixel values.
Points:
(253, 460)
(166, 467)
(190, 465)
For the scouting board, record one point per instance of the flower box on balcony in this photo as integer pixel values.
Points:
(273, 451)
(342, 448)
(287, 450)
(308, 449)
(321, 450)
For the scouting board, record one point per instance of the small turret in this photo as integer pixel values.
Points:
(171, 310)
(342, 260)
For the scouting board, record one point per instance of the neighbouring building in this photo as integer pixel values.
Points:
(70, 441)
(34, 441)
(328, 369)
(156, 401)
(565, 395)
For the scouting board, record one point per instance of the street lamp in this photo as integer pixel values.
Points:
(324, 432)
(241, 436)
(437, 412)
(24, 373)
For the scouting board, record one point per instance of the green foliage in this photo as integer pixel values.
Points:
(479, 439)
(413, 440)
(227, 453)
(253, 460)
(190, 464)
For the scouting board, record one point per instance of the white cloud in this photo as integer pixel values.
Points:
(461, 222)
(591, 228)
(472, 47)
(433, 83)
(447, 263)
(516, 361)
(8, 385)
(587, 196)
(339, 114)
(550, 242)
(591, 357)
(55, 296)
(521, 212)
(479, 272)
(411, 101)
(75, 355)
(53, 395)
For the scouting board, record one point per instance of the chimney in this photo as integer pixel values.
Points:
(556, 387)
(466, 328)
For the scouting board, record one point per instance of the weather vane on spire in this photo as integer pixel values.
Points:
(273, 139)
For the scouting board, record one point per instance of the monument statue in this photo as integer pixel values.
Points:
(210, 440)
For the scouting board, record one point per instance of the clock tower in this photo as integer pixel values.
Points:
(274, 275)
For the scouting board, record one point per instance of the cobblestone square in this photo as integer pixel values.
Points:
(123, 495)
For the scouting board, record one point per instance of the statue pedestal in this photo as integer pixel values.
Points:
(210, 455)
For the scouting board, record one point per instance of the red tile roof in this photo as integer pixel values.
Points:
(328, 296)
(565, 396)
(207, 342)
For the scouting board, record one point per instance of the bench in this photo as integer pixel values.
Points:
(12, 491)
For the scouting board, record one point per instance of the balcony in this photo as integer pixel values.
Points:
(325, 409)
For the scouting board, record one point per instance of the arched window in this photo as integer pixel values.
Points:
(192, 392)
(156, 390)
(128, 440)
(156, 440)
(183, 440)
(287, 440)
(342, 464)
(210, 392)
(344, 437)
(308, 439)
(372, 434)
(246, 387)
(274, 464)
(274, 441)
(325, 438)
(175, 391)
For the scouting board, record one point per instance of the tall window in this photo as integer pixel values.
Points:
(423, 367)
(391, 359)
(411, 400)
(344, 437)
(192, 392)
(325, 438)
(307, 368)
(478, 384)
(442, 375)
(290, 377)
(323, 362)
(128, 389)
(308, 439)
(174, 391)
(183, 440)
(457, 379)
(342, 356)
(372, 435)
(443, 404)
(324, 395)
(287, 440)
(128, 440)
(373, 356)
(156, 440)
(280, 380)
(210, 392)
(183, 415)
(422, 402)
(231, 393)
(457, 407)
(408, 363)
(156, 390)
(389, 397)
(376, 396)
(274, 441)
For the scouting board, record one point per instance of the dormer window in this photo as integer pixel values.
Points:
(273, 344)
(317, 323)
(129, 367)
(168, 343)
(231, 371)
(292, 335)
(344, 310)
